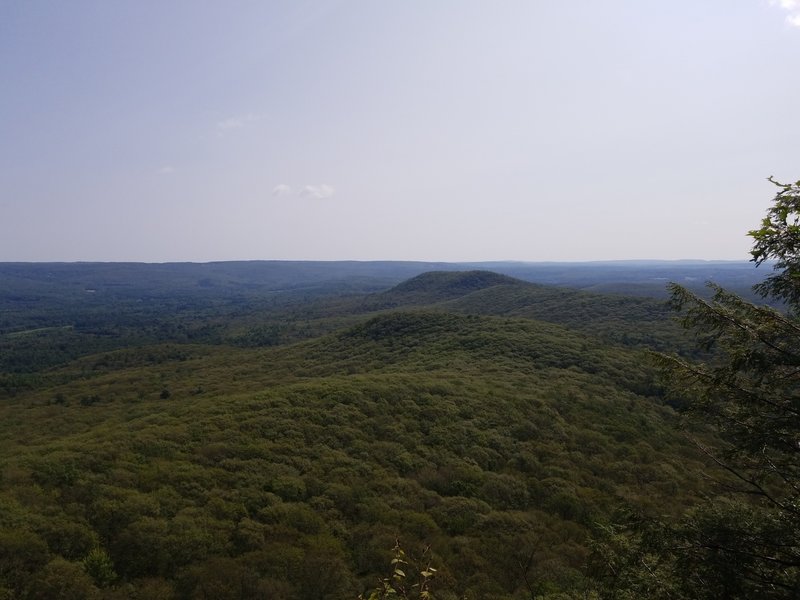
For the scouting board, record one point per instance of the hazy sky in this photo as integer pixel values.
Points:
(393, 129)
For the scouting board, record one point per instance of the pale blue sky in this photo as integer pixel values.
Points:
(415, 129)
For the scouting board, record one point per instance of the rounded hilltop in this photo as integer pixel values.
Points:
(451, 284)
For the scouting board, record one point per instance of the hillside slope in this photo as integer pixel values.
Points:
(287, 472)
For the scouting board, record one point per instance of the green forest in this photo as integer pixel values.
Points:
(324, 432)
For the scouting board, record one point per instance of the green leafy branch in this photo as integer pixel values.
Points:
(402, 583)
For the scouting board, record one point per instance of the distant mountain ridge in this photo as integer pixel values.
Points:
(647, 278)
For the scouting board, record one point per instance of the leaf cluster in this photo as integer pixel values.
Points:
(778, 239)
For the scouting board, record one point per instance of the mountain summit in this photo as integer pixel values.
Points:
(443, 285)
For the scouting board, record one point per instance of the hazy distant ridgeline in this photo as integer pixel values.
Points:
(639, 277)
(52, 313)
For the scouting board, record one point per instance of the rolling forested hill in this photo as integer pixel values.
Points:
(212, 440)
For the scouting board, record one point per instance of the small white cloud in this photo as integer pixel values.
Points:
(792, 6)
(318, 192)
(313, 192)
(237, 122)
(229, 124)
(282, 190)
(165, 170)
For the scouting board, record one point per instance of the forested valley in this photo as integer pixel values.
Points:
(303, 430)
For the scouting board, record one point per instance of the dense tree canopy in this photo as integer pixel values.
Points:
(494, 420)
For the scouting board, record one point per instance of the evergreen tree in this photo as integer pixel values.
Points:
(745, 542)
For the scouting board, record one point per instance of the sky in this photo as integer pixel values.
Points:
(442, 130)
